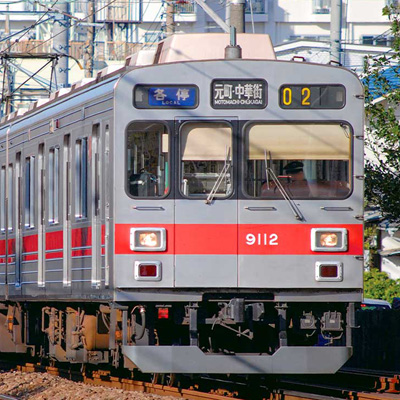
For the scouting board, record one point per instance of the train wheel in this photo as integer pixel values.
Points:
(155, 378)
(165, 379)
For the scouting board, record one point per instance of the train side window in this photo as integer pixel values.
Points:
(308, 160)
(54, 184)
(206, 159)
(147, 155)
(81, 175)
(29, 191)
(10, 207)
(3, 199)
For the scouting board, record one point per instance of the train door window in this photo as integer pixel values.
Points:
(147, 155)
(29, 191)
(10, 206)
(3, 199)
(81, 187)
(54, 184)
(206, 159)
(303, 160)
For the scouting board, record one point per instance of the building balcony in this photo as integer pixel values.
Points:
(103, 51)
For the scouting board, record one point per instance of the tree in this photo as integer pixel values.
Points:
(382, 81)
(377, 285)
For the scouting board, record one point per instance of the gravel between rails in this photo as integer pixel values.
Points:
(43, 386)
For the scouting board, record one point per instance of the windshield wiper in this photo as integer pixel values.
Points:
(268, 171)
(220, 178)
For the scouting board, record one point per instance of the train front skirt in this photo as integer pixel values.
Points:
(190, 359)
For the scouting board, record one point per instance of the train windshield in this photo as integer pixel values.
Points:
(206, 159)
(147, 159)
(308, 160)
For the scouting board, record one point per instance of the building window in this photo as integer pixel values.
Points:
(255, 6)
(152, 37)
(81, 165)
(321, 6)
(54, 182)
(29, 191)
(378, 40)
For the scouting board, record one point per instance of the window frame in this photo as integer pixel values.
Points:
(53, 185)
(179, 158)
(81, 183)
(244, 153)
(29, 192)
(170, 159)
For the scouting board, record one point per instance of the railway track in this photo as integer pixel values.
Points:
(376, 388)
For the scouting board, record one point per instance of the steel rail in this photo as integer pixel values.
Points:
(296, 390)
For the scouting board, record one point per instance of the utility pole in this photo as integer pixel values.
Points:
(7, 74)
(89, 48)
(237, 15)
(61, 43)
(170, 25)
(336, 30)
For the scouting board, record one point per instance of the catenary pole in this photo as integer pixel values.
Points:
(60, 43)
(237, 15)
(89, 47)
(170, 28)
(336, 30)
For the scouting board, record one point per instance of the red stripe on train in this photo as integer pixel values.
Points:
(233, 239)
(80, 237)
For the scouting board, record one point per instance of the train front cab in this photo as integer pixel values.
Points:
(237, 265)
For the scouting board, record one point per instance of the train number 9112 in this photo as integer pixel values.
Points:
(262, 239)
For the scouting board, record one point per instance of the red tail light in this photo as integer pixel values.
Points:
(328, 271)
(147, 270)
(163, 313)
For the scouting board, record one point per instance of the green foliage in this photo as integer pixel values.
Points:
(382, 174)
(377, 285)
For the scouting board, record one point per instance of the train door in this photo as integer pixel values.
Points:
(106, 174)
(18, 221)
(96, 208)
(3, 196)
(66, 214)
(206, 211)
(41, 222)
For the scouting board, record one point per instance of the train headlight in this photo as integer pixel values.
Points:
(329, 239)
(148, 239)
(326, 239)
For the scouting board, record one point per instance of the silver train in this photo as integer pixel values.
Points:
(186, 214)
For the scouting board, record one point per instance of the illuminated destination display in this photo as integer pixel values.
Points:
(166, 96)
(243, 93)
(312, 96)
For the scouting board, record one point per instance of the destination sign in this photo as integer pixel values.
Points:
(312, 96)
(244, 93)
(166, 96)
